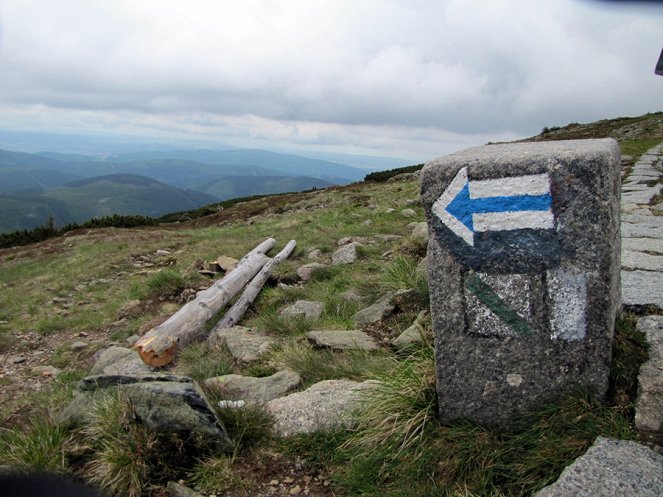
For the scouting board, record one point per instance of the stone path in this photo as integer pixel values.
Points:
(642, 278)
(642, 232)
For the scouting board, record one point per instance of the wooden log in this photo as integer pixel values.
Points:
(159, 346)
(252, 290)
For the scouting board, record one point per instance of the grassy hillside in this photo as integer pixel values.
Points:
(63, 299)
(634, 134)
(244, 186)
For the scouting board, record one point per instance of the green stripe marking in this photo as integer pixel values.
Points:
(494, 302)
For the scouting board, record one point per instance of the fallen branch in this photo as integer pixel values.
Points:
(252, 290)
(159, 346)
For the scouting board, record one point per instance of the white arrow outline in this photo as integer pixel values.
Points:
(440, 207)
(533, 184)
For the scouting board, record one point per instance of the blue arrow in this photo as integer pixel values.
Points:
(462, 206)
(466, 207)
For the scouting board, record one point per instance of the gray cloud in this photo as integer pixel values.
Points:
(324, 72)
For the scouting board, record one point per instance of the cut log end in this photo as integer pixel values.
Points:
(154, 359)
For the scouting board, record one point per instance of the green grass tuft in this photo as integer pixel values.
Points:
(314, 365)
(200, 362)
(42, 445)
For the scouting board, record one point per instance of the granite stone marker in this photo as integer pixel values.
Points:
(524, 272)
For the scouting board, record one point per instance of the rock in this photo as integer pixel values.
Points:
(129, 309)
(119, 360)
(304, 308)
(19, 359)
(46, 371)
(176, 408)
(78, 345)
(610, 468)
(422, 267)
(314, 255)
(131, 341)
(649, 405)
(256, 391)
(83, 334)
(344, 241)
(368, 222)
(174, 489)
(408, 213)
(346, 254)
(244, 344)
(420, 230)
(211, 267)
(350, 296)
(163, 403)
(342, 340)
(642, 288)
(415, 333)
(227, 263)
(306, 271)
(390, 210)
(324, 406)
(382, 308)
(161, 252)
(498, 355)
(296, 490)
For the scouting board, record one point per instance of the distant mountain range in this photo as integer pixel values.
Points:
(80, 200)
(72, 188)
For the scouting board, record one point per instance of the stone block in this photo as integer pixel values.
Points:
(523, 267)
(608, 469)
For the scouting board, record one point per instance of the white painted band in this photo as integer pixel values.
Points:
(505, 221)
(534, 184)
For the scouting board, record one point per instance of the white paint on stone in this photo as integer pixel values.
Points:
(514, 379)
(507, 221)
(532, 184)
(439, 208)
(567, 291)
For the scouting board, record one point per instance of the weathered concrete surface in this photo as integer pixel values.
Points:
(322, 407)
(523, 295)
(649, 405)
(611, 468)
(257, 391)
(342, 340)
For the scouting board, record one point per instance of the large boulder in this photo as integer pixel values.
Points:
(163, 403)
(322, 407)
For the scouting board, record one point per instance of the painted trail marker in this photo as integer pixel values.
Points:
(501, 204)
(524, 274)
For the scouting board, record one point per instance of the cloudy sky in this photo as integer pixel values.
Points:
(405, 78)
